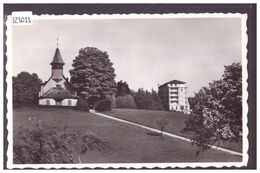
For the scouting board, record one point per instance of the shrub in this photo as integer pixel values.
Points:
(103, 105)
(112, 99)
(82, 104)
(39, 143)
(126, 101)
(162, 123)
(92, 100)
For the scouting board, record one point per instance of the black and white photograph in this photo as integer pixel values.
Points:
(133, 90)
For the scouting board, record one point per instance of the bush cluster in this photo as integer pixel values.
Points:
(126, 101)
(112, 100)
(103, 105)
(82, 104)
(148, 100)
(39, 143)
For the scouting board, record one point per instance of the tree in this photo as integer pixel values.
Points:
(26, 87)
(92, 73)
(191, 102)
(218, 110)
(124, 98)
(157, 102)
(142, 100)
(147, 100)
(122, 89)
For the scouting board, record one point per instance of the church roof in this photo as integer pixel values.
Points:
(58, 93)
(57, 58)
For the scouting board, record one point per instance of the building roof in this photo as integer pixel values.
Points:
(176, 82)
(58, 93)
(57, 58)
(173, 82)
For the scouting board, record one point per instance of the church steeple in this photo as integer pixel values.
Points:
(57, 58)
(57, 65)
(57, 42)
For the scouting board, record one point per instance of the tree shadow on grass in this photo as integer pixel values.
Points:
(153, 134)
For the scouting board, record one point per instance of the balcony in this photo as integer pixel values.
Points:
(174, 98)
(173, 89)
(174, 92)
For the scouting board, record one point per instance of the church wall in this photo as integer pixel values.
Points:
(52, 102)
(44, 101)
(41, 91)
(57, 73)
(65, 102)
(52, 84)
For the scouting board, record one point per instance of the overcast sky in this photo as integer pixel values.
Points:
(145, 52)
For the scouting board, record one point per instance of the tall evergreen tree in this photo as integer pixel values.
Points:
(122, 88)
(93, 73)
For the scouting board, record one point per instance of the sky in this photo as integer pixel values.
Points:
(144, 52)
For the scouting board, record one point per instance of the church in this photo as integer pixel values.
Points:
(56, 91)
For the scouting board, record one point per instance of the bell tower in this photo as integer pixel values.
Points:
(57, 65)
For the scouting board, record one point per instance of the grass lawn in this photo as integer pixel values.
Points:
(176, 122)
(128, 143)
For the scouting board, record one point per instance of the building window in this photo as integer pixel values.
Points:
(182, 107)
(69, 102)
(47, 102)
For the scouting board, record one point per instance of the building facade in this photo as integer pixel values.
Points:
(173, 95)
(57, 91)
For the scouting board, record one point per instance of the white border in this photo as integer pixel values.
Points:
(9, 67)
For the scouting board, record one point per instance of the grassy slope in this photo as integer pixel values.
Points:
(129, 144)
(150, 118)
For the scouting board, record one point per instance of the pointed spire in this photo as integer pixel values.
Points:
(57, 58)
(57, 42)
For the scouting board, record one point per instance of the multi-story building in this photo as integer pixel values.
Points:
(173, 96)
